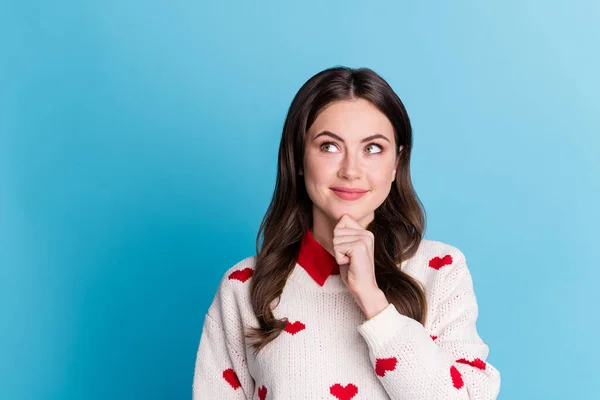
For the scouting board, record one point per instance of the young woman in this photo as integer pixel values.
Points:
(345, 299)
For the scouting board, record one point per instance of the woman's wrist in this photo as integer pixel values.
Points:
(372, 302)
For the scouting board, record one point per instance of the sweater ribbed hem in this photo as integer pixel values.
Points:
(383, 327)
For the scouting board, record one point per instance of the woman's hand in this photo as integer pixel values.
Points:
(353, 249)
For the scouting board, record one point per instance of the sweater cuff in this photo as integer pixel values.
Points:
(384, 327)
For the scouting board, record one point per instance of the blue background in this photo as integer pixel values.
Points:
(138, 146)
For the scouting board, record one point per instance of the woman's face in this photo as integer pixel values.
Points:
(351, 144)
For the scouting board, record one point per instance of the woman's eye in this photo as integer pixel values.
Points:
(326, 145)
(375, 145)
(329, 147)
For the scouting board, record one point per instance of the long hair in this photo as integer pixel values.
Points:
(398, 224)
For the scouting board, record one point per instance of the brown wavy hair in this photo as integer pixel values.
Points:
(398, 224)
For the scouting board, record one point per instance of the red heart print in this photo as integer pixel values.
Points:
(262, 392)
(433, 337)
(437, 262)
(231, 377)
(456, 377)
(343, 392)
(382, 365)
(241, 275)
(294, 327)
(477, 363)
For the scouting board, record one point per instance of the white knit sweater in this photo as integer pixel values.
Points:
(330, 351)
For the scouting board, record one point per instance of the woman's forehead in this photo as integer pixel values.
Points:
(352, 120)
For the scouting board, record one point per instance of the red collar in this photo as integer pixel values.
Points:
(317, 261)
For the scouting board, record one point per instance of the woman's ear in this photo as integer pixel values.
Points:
(396, 163)
(300, 172)
(398, 156)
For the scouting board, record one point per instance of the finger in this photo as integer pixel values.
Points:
(348, 222)
(347, 232)
(350, 248)
(343, 252)
(366, 236)
(351, 238)
(348, 226)
(344, 260)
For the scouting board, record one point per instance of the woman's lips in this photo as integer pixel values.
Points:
(348, 193)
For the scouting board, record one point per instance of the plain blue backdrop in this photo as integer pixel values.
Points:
(138, 146)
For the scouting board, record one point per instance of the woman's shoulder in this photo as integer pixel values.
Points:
(233, 292)
(241, 271)
(435, 261)
(433, 248)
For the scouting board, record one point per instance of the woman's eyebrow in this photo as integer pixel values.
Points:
(367, 139)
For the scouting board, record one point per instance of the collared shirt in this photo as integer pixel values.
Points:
(316, 260)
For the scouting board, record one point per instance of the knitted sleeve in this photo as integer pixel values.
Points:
(221, 371)
(451, 363)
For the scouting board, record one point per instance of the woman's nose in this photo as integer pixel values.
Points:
(350, 168)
